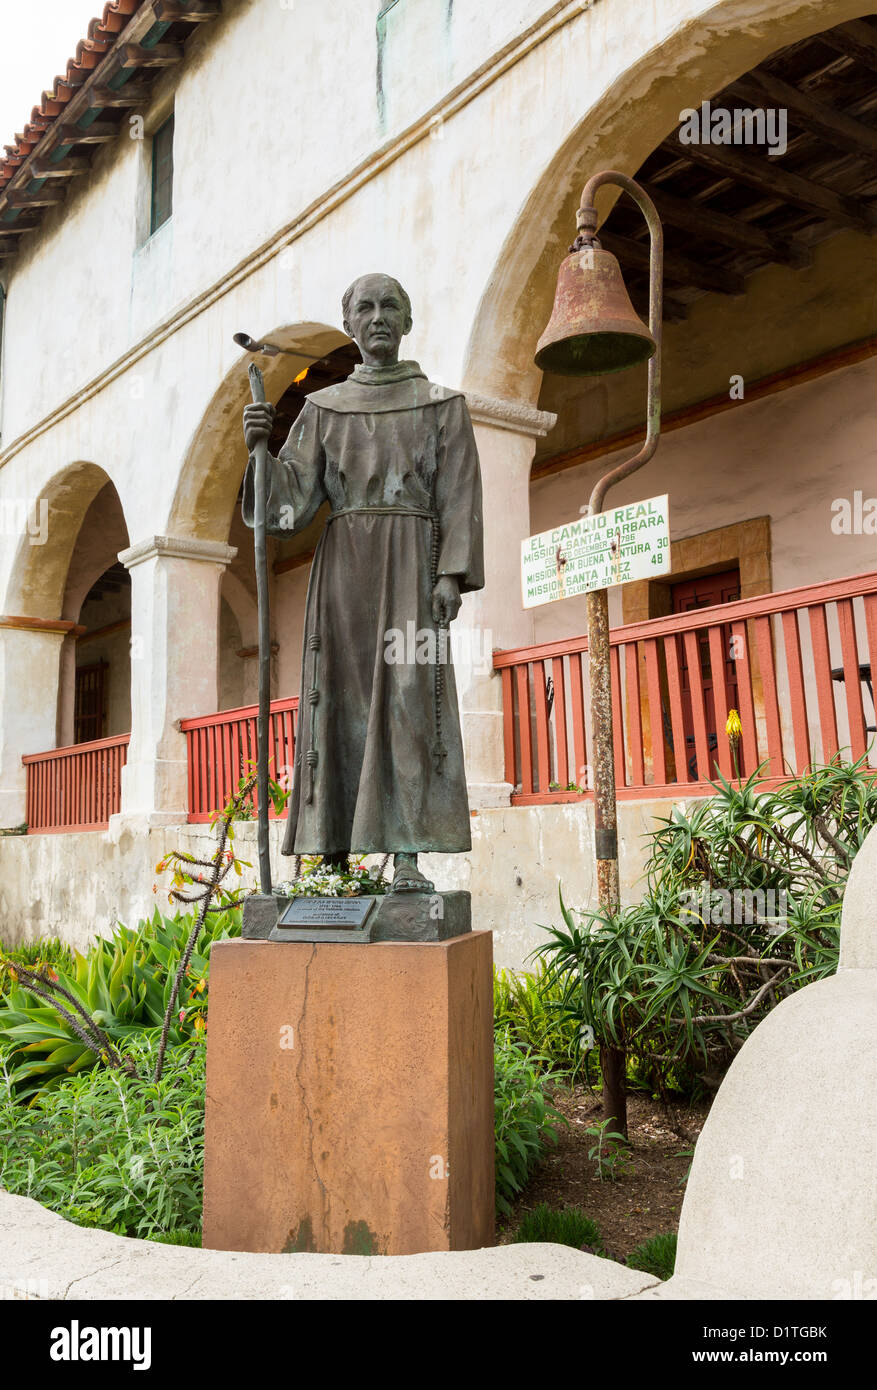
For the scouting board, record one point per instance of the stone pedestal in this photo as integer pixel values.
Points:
(350, 1097)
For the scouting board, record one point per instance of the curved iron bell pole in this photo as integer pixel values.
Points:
(594, 329)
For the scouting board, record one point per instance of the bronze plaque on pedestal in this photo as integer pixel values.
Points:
(325, 919)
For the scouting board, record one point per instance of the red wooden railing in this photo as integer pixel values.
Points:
(221, 747)
(797, 665)
(75, 788)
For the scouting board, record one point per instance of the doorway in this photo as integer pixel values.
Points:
(90, 702)
(706, 591)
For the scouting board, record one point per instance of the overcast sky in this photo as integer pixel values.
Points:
(36, 39)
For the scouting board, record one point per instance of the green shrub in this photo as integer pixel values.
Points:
(569, 1226)
(191, 1238)
(111, 1150)
(656, 1256)
(532, 1008)
(524, 1121)
(123, 982)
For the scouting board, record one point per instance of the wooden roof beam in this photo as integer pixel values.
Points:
(160, 55)
(196, 12)
(21, 224)
(686, 272)
(40, 198)
(68, 168)
(856, 40)
(98, 133)
(131, 94)
(767, 178)
(705, 222)
(835, 126)
(130, 26)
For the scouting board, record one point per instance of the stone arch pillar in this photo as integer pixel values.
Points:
(30, 658)
(506, 434)
(175, 584)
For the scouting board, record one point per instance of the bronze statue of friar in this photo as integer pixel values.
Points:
(379, 754)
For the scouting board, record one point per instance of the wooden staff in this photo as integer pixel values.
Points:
(260, 455)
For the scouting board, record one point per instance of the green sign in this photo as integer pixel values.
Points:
(595, 552)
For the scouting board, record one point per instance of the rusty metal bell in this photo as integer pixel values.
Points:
(593, 328)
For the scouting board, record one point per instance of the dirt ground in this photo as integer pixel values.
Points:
(645, 1201)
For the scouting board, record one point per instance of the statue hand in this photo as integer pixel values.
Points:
(446, 599)
(258, 423)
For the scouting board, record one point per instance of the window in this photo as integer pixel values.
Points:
(162, 175)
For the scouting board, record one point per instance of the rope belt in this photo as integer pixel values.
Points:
(383, 511)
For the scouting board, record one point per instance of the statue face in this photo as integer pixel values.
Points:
(378, 320)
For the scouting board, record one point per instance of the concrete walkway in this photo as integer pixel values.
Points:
(44, 1256)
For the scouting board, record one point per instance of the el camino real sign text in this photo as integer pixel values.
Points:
(595, 552)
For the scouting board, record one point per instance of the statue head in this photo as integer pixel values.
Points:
(377, 315)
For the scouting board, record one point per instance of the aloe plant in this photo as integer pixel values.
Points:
(679, 980)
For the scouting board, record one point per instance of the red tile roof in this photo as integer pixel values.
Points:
(89, 51)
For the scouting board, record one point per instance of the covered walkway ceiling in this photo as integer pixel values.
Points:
(729, 209)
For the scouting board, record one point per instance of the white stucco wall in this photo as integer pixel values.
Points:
(519, 857)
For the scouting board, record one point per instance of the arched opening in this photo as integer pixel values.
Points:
(210, 478)
(769, 374)
(619, 131)
(207, 504)
(67, 646)
(94, 697)
(768, 249)
(39, 579)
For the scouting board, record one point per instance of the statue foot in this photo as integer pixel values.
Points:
(337, 862)
(407, 878)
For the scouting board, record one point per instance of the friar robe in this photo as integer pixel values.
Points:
(379, 756)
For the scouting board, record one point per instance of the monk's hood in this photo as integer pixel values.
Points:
(371, 390)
